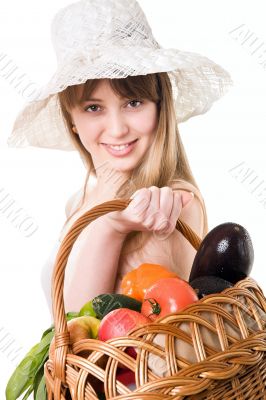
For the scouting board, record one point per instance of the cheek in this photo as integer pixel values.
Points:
(148, 123)
(88, 131)
(82, 125)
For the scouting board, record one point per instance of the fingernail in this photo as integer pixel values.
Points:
(187, 200)
(192, 197)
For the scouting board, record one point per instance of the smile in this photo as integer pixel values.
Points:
(116, 146)
(121, 150)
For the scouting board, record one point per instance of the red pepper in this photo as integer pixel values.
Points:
(136, 282)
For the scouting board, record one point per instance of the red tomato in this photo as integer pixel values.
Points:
(166, 296)
(119, 322)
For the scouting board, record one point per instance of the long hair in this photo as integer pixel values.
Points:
(164, 163)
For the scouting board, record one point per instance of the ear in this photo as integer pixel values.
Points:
(74, 129)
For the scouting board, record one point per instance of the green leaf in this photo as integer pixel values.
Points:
(37, 379)
(28, 393)
(39, 386)
(47, 331)
(24, 373)
(21, 378)
(41, 366)
(41, 393)
(44, 344)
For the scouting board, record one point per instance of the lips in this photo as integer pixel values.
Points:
(121, 152)
(123, 144)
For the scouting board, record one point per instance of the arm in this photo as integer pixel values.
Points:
(92, 264)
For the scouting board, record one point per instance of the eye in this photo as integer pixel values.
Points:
(91, 108)
(133, 102)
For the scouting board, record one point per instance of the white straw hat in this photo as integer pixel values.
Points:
(112, 39)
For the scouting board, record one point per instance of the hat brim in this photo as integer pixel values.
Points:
(197, 82)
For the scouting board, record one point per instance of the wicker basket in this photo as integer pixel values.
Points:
(214, 349)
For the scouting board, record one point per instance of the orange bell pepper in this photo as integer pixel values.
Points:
(136, 282)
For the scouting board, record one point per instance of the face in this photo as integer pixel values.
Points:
(106, 119)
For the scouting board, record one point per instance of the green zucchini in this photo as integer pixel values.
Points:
(105, 303)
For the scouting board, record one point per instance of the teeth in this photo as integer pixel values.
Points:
(119, 147)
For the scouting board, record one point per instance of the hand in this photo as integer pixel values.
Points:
(152, 209)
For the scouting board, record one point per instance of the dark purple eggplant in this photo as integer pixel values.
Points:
(204, 285)
(226, 252)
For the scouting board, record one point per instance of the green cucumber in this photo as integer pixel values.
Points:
(105, 303)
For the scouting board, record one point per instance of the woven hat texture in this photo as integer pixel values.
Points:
(95, 39)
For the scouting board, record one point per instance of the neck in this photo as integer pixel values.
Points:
(106, 186)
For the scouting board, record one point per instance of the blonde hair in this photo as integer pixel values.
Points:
(164, 163)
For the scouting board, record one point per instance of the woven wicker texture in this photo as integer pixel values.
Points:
(214, 349)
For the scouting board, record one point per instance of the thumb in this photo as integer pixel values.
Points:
(186, 198)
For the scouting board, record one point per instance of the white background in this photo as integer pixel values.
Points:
(40, 181)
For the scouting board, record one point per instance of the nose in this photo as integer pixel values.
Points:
(117, 126)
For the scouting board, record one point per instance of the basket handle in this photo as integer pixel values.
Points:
(61, 332)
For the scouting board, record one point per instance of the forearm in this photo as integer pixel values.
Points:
(92, 264)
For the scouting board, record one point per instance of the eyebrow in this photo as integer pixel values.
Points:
(93, 99)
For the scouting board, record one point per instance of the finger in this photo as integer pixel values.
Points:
(170, 223)
(166, 201)
(177, 208)
(134, 194)
(186, 198)
(166, 205)
(140, 202)
(154, 205)
(175, 212)
(179, 203)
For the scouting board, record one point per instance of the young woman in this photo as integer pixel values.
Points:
(118, 97)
